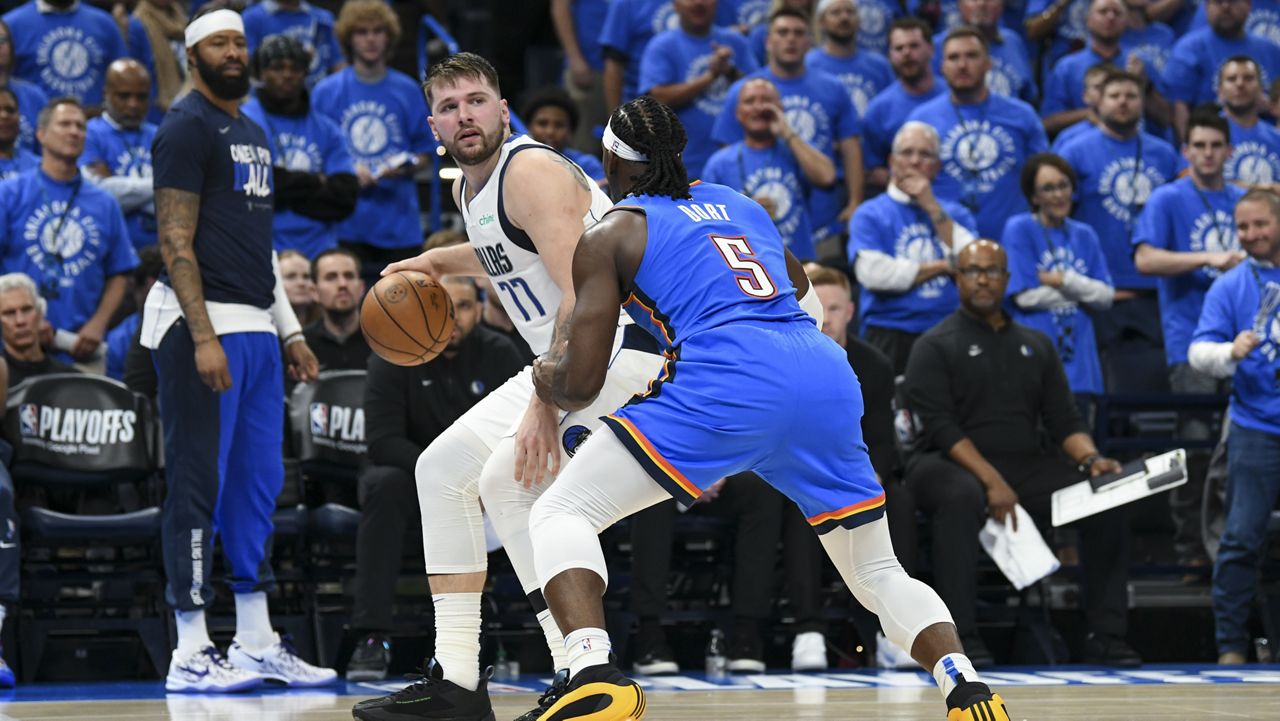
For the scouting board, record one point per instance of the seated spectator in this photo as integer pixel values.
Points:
(1056, 270)
(552, 119)
(69, 236)
(1255, 143)
(31, 98)
(1093, 78)
(165, 24)
(21, 316)
(65, 46)
(117, 150)
(1011, 71)
(981, 387)
(405, 409)
(864, 73)
(295, 271)
(901, 244)
(1236, 338)
(911, 56)
(123, 336)
(315, 182)
(309, 25)
(773, 165)
(336, 339)
(14, 159)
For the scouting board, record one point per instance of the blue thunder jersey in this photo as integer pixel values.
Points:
(31, 100)
(1255, 153)
(750, 383)
(65, 53)
(22, 161)
(773, 173)
(126, 153)
(309, 25)
(1181, 218)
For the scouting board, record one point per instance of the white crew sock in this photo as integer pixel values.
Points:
(458, 637)
(193, 634)
(948, 670)
(555, 641)
(253, 621)
(587, 647)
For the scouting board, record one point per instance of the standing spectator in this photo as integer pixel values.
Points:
(406, 408)
(1236, 338)
(1255, 145)
(864, 73)
(773, 165)
(628, 28)
(553, 119)
(1055, 267)
(1263, 21)
(67, 235)
(21, 315)
(982, 387)
(14, 159)
(384, 118)
(29, 96)
(911, 55)
(1186, 237)
(1061, 22)
(1064, 89)
(315, 183)
(1011, 71)
(901, 244)
(578, 24)
(301, 21)
(336, 338)
(1147, 40)
(64, 46)
(876, 19)
(164, 22)
(1093, 78)
(215, 324)
(985, 137)
(690, 69)
(1191, 71)
(300, 290)
(117, 150)
(125, 335)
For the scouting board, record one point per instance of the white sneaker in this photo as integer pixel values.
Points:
(278, 662)
(208, 671)
(890, 655)
(809, 652)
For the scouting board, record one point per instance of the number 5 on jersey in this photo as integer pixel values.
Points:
(751, 276)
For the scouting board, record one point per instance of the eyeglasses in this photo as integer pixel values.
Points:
(1051, 188)
(973, 272)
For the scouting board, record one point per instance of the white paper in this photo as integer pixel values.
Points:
(1078, 501)
(1022, 555)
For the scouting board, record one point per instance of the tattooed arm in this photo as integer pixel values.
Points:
(176, 214)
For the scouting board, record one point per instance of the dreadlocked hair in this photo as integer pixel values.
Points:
(653, 129)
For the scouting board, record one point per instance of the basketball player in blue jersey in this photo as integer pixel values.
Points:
(750, 384)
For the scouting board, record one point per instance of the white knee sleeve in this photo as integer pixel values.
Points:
(864, 556)
(602, 485)
(448, 474)
(507, 504)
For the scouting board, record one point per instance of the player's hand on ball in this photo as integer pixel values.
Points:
(421, 263)
(302, 363)
(211, 364)
(535, 440)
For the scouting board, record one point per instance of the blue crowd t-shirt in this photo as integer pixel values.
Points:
(31, 100)
(1152, 46)
(1112, 189)
(678, 57)
(227, 161)
(1191, 73)
(885, 114)
(1182, 218)
(899, 230)
(983, 148)
(1064, 90)
(69, 237)
(1032, 248)
(1010, 73)
(127, 153)
(1069, 32)
(746, 14)
(863, 74)
(588, 22)
(308, 143)
(1263, 21)
(22, 160)
(1247, 297)
(309, 25)
(1255, 153)
(381, 122)
(65, 53)
(119, 341)
(773, 173)
(628, 28)
(875, 17)
(1069, 133)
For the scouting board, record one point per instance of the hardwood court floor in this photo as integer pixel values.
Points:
(1100, 703)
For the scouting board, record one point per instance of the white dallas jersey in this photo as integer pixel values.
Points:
(509, 257)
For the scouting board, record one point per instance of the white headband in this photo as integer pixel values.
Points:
(824, 5)
(614, 144)
(215, 22)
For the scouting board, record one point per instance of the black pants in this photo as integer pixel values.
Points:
(388, 508)
(894, 343)
(956, 504)
(373, 259)
(803, 560)
(10, 550)
(757, 508)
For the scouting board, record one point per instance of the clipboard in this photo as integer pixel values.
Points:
(1135, 481)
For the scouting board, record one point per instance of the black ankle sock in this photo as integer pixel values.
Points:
(965, 692)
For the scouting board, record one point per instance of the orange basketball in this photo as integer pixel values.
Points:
(407, 318)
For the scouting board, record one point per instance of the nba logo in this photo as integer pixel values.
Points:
(29, 419)
(319, 419)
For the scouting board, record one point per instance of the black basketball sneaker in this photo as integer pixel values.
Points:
(431, 698)
(550, 696)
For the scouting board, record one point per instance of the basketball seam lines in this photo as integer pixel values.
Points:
(392, 318)
(426, 317)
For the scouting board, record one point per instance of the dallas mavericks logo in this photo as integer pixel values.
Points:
(574, 437)
(712, 99)
(977, 147)
(1212, 235)
(1124, 190)
(299, 153)
(1253, 163)
(915, 242)
(320, 419)
(1266, 322)
(29, 420)
(873, 25)
(372, 130)
(1264, 24)
(477, 388)
(67, 58)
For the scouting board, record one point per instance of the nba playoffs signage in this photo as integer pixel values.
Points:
(78, 422)
(328, 417)
(338, 427)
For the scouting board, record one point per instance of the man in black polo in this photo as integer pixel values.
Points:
(336, 338)
(982, 387)
(405, 409)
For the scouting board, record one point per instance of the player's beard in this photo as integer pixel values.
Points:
(224, 87)
(477, 154)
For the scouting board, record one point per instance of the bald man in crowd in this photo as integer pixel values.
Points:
(117, 149)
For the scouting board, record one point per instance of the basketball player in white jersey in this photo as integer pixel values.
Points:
(525, 207)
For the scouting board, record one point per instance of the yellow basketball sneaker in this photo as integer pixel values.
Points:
(972, 701)
(598, 693)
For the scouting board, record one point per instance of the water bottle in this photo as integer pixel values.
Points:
(1262, 647)
(717, 662)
